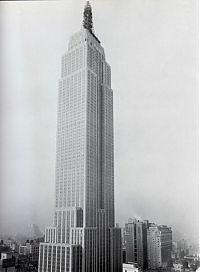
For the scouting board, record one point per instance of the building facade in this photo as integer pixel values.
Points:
(84, 237)
(159, 241)
(135, 239)
(30, 249)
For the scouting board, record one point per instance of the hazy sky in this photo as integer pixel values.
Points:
(151, 46)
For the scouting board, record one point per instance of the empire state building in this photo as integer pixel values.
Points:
(83, 237)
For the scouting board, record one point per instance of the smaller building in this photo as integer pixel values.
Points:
(7, 259)
(7, 242)
(177, 267)
(6, 255)
(135, 243)
(23, 250)
(159, 241)
(30, 249)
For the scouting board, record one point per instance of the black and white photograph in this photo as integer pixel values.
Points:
(99, 136)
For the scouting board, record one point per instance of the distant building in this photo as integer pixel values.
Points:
(177, 267)
(34, 232)
(182, 248)
(23, 250)
(135, 237)
(7, 259)
(31, 249)
(174, 251)
(159, 245)
(5, 255)
(7, 243)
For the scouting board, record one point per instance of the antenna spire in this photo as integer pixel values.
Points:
(87, 17)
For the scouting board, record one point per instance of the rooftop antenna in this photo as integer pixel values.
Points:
(87, 17)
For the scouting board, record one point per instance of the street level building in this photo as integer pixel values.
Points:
(84, 236)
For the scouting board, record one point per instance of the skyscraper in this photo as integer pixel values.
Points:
(84, 237)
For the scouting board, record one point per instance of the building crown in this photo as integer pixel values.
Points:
(87, 17)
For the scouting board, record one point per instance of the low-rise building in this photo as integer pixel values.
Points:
(7, 259)
(31, 249)
(177, 267)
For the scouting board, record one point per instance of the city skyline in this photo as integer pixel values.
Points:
(156, 161)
